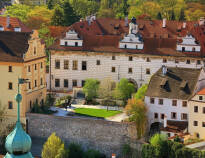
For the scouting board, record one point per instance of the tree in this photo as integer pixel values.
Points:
(182, 15)
(124, 90)
(141, 92)
(18, 10)
(137, 112)
(91, 88)
(2, 114)
(75, 151)
(159, 16)
(53, 148)
(58, 16)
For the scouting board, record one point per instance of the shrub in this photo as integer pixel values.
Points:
(93, 154)
(107, 102)
(75, 151)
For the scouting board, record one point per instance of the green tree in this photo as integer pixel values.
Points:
(53, 148)
(75, 151)
(124, 90)
(167, 7)
(120, 8)
(91, 88)
(159, 16)
(137, 112)
(18, 10)
(141, 92)
(58, 16)
(93, 154)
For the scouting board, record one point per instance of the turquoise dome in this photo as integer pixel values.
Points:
(18, 142)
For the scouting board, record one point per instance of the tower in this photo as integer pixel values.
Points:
(18, 143)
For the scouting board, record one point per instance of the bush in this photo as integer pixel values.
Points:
(75, 151)
(107, 102)
(43, 109)
(93, 154)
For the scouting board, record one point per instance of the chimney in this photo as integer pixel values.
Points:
(164, 22)
(184, 25)
(126, 21)
(164, 70)
(165, 121)
(8, 21)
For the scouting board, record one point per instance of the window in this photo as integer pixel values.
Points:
(160, 101)
(176, 61)
(76, 44)
(173, 115)
(29, 85)
(35, 66)
(1, 28)
(136, 46)
(184, 103)
(203, 124)
(17, 29)
(125, 46)
(66, 64)
(195, 123)
(57, 82)
(164, 60)
(35, 83)
(34, 51)
(113, 69)
(152, 100)
(29, 68)
(82, 83)
(174, 102)
(193, 49)
(10, 85)
(168, 134)
(148, 59)
(113, 57)
(10, 68)
(196, 109)
(147, 71)
(98, 62)
(204, 110)
(198, 62)
(162, 116)
(183, 49)
(200, 97)
(184, 116)
(66, 43)
(130, 58)
(41, 65)
(66, 83)
(41, 81)
(130, 70)
(10, 105)
(74, 83)
(156, 115)
(84, 65)
(188, 61)
(75, 65)
(57, 64)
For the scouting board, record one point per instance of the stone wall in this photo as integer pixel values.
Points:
(105, 136)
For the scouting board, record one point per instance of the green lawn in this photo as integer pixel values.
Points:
(95, 112)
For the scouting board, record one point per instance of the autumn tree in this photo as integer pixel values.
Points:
(137, 112)
(53, 148)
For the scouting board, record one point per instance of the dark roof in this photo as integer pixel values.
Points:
(14, 23)
(175, 126)
(13, 45)
(102, 35)
(177, 83)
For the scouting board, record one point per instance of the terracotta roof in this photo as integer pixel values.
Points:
(175, 78)
(14, 22)
(201, 92)
(175, 126)
(104, 34)
(13, 45)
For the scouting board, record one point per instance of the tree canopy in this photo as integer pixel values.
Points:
(91, 88)
(141, 92)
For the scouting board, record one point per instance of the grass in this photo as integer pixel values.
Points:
(102, 113)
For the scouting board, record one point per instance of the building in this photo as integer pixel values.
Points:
(12, 24)
(22, 55)
(196, 108)
(168, 94)
(136, 49)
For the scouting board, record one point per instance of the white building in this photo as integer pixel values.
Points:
(111, 48)
(169, 91)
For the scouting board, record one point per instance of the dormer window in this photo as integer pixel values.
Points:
(17, 29)
(66, 43)
(1, 28)
(76, 44)
(183, 85)
(193, 49)
(163, 83)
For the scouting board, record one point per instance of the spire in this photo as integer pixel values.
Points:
(18, 143)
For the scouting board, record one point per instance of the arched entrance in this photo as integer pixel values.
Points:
(134, 83)
(155, 128)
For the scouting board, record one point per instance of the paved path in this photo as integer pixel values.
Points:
(118, 118)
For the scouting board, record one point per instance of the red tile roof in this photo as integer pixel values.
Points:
(175, 126)
(104, 35)
(14, 22)
(201, 92)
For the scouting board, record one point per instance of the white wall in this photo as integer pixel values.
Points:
(166, 109)
(131, 45)
(71, 42)
(188, 48)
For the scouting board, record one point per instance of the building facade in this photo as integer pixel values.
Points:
(22, 55)
(196, 108)
(136, 49)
